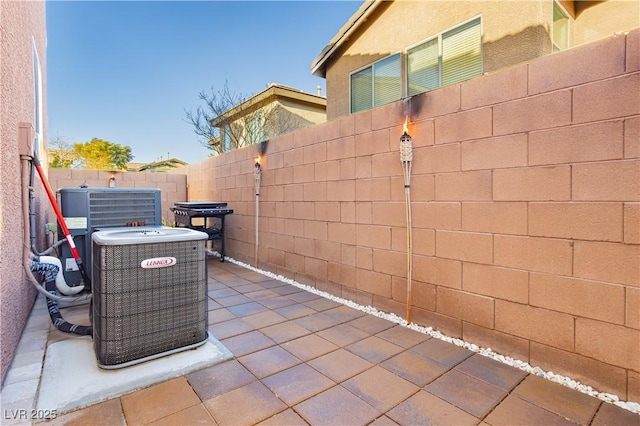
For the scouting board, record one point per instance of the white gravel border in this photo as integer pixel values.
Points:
(634, 407)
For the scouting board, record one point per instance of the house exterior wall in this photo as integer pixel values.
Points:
(309, 114)
(525, 201)
(596, 20)
(22, 25)
(285, 115)
(513, 33)
(282, 115)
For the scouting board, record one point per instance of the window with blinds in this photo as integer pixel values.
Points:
(423, 67)
(450, 57)
(387, 86)
(447, 58)
(377, 84)
(361, 90)
(462, 52)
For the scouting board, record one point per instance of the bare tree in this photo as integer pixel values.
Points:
(216, 103)
(230, 120)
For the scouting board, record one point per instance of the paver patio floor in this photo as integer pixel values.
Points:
(303, 359)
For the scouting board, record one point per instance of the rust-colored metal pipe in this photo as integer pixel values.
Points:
(63, 225)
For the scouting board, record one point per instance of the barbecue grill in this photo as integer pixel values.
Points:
(209, 217)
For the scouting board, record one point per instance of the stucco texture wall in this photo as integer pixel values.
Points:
(526, 210)
(595, 19)
(22, 24)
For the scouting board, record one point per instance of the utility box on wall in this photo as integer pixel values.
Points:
(149, 293)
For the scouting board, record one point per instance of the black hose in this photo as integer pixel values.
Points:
(59, 322)
(49, 272)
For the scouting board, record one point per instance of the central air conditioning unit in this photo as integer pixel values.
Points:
(86, 210)
(149, 293)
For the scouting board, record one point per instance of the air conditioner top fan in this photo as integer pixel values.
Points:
(146, 235)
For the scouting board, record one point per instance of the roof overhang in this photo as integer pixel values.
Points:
(318, 66)
(272, 93)
(171, 162)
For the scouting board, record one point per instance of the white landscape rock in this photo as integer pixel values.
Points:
(634, 407)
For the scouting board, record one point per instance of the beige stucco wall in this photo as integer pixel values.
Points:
(283, 115)
(21, 24)
(513, 32)
(525, 201)
(595, 19)
(309, 114)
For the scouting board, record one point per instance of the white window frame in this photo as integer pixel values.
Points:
(440, 50)
(568, 16)
(373, 93)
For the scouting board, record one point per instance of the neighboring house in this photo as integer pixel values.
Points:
(22, 130)
(134, 166)
(389, 50)
(273, 112)
(161, 165)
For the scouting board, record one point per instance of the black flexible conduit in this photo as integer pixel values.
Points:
(49, 272)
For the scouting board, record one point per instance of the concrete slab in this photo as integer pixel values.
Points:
(71, 378)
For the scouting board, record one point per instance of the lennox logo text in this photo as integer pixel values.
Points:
(158, 262)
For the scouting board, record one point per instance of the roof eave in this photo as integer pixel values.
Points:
(273, 92)
(318, 66)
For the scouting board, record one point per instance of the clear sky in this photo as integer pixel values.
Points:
(126, 71)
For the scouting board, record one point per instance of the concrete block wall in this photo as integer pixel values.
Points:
(525, 202)
(173, 185)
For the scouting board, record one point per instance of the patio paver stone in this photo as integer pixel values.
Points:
(302, 359)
